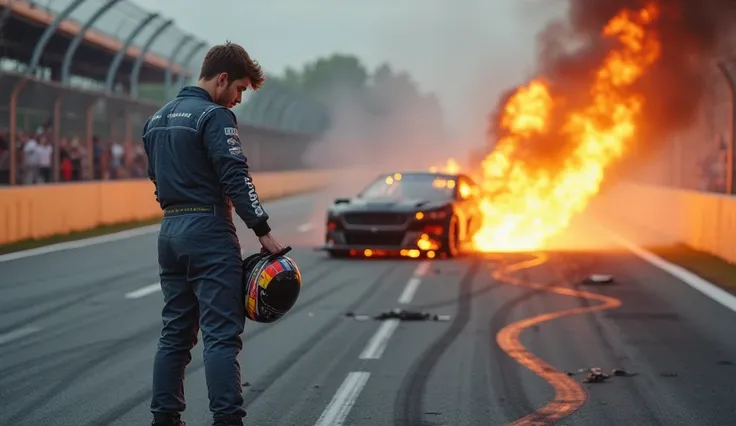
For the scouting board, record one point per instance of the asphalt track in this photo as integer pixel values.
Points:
(78, 330)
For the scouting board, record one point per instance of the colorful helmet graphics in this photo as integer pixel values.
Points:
(272, 283)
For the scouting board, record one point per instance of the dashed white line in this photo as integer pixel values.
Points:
(410, 290)
(422, 269)
(17, 334)
(305, 227)
(143, 291)
(375, 347)
(339, 408)
(414, 282)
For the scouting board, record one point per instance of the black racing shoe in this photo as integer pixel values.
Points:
(233, 420)
(167, 420)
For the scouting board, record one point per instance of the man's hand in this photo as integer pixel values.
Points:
(270, 244)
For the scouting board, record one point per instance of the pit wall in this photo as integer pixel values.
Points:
(57, 209)
(703, 221)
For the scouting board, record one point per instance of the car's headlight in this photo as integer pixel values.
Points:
(431, 215)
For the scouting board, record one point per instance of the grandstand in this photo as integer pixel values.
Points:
(80, 77)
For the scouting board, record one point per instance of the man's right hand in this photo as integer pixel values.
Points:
(270, 244)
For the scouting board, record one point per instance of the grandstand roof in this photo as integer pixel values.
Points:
(26, 20)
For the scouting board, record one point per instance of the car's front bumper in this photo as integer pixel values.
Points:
(370, 243)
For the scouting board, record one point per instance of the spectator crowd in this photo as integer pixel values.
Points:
(35, 159)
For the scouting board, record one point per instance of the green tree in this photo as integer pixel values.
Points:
(385, 109)
(322, 77)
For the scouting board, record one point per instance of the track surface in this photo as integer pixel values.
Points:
(74, 350)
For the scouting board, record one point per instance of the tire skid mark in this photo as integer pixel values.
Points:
(570, 395)
(291, 360)
(60, 300)
(409, 404)
(332, 269)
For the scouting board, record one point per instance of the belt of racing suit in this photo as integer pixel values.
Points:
(186, 209)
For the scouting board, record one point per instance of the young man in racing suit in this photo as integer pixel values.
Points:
(199, 172)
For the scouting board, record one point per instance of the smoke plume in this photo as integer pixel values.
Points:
(571, 51)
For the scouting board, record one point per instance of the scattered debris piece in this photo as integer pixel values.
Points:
(401, 315)
(622, 373)
(668, 374)
(595, 375)
(725, 362)
(246, 384)
(598, 279)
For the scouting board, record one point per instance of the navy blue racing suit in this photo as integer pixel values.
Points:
(200, 173)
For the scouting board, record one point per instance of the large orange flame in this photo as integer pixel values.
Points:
(524, 205)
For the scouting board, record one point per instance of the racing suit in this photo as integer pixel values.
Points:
(200, 172)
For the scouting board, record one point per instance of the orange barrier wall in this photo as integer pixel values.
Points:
(47, 210)
(703, 221)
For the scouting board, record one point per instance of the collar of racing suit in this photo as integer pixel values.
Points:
(194, 91)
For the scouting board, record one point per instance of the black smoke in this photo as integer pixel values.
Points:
(570, 51)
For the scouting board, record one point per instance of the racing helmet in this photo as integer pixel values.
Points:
(271, 283)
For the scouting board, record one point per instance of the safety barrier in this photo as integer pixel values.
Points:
(703, 221)
(55, 209)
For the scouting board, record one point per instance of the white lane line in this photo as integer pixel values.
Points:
(375, 347)
(305, 227)
(344, 399)
(695, 281)
(144, 291)
(410, 290)
(122, 235)
(414, 282)
(422, 269)
(17, 334)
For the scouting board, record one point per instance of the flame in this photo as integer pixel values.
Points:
(450, 167)
(524, 205)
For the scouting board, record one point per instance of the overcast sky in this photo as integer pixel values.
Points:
(466, 51)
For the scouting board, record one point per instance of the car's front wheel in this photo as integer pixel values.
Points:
(450, 241)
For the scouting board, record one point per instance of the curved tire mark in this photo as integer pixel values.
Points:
(569, 394)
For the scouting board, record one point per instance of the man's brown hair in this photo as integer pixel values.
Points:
(235, 61)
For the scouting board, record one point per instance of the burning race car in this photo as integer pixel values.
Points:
(412, 214)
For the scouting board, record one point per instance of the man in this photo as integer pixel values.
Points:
(199, 172)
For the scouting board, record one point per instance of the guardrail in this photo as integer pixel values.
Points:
(46, 210)
(703, 221)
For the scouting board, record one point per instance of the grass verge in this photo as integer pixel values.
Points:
(706, 265)
(73, 236)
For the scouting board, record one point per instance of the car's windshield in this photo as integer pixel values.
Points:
(424, 186)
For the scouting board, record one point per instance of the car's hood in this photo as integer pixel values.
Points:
(388, 204)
